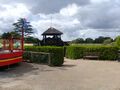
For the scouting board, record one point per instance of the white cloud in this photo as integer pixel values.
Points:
(66, 25)
(10, 13)
(14, 11)
(75, 18)
(70, 10)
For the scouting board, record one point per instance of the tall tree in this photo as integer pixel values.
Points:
(89, 40)
(23, 28)
(22, 24)
(99, 39)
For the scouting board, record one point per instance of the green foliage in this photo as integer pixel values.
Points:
(77, 41)
(106, 52)
(117, 41)
(15, 35)
(6, 35)
(98, 40)
(36, 58)
(107, 41)
(101, 39)
(31, 40)
(57, 54)
(89, 40)
(22, 24)
(74, 52)
(9, 34)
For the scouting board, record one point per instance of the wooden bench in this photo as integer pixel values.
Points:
(91, 55)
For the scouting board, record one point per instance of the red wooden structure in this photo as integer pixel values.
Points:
(12, 51)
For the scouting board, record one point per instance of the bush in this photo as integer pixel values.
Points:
(106, 52)
(57, 54)
(36, 58)
(74, 52)
(107, 41)
(117, 41)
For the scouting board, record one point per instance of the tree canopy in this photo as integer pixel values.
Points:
(89, 40)
(99, 40)
(78, 40)
(23, 24)
(9, 34)
(6, 35)
(31, 40)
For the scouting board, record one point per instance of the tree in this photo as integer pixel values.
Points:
(22, 24)
(32, 40)
(15, 34)
(99, 39)
(78, 40)
(89, 40)
(8, 35)
(81, 40)
(23, 28)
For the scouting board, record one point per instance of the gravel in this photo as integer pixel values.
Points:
(73, 75)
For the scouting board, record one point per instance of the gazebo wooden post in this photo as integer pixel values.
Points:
(44, 38)
(60, 36)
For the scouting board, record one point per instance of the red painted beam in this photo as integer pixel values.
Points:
(10, 62)
(10, 58)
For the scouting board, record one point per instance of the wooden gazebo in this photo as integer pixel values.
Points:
(52, 37)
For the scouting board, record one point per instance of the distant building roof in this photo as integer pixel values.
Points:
(52, 31)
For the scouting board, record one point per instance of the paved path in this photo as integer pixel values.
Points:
(74, 75)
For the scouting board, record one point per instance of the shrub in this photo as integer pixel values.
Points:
(107, 41)
(57, 54)
(106, 52)
(117, 41)
(74, 52)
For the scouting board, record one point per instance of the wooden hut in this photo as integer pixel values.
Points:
(52, 37)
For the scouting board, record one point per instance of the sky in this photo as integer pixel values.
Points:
(75, 18)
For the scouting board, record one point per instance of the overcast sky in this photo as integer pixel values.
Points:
(75, 18)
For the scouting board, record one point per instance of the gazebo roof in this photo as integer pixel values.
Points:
(52, 31)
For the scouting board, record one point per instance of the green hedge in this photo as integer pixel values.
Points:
(106, 52)
(57, 54)
(36, 58)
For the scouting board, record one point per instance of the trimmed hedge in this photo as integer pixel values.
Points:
(36, 58)
(57, 54)
(106, 52)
